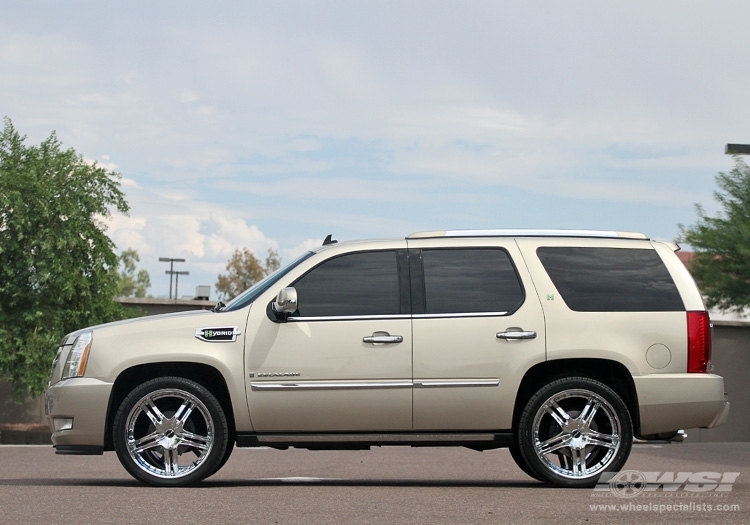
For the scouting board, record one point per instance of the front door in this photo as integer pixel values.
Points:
(343, 361)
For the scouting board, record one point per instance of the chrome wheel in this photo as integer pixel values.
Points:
(574, 430)
(576, 433)
(170, 431)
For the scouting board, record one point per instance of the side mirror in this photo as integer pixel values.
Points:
(286, 302)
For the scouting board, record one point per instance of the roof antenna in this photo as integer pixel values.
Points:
(328, 240)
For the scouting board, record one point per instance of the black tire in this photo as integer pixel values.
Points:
(227, 453)
(574, 430)
(515, 453)
(171, 432)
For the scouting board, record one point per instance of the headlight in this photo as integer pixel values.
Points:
(75, 365)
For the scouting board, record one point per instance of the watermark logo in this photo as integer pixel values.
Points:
(627, 484)
(632, 483)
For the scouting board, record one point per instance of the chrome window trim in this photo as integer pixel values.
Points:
(459, 315)
(349, 318)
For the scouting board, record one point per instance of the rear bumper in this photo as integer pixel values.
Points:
(669, 402)
(80, 403)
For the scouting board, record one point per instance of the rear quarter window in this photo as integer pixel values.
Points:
(611, 279)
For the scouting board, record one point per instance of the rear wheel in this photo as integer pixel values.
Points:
(574, 430)
(171, 431)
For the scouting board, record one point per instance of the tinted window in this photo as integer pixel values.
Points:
(611, 279)
(470, 281)
(355, 284)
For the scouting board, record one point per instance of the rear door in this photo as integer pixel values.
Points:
(477, 326)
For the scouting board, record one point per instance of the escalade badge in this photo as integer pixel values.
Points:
(223, 334)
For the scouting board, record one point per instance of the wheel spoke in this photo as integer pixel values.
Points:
(589, 411)
(558, 414)
(578, 461)
(193, 440)
(171, 461)
(183, 413)
(152, 411)
(602, 440)
(147, 442)
(561, 440)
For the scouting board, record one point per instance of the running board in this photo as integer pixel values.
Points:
(359, 441)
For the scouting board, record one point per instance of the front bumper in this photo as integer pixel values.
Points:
(668, 402)
(81, 403)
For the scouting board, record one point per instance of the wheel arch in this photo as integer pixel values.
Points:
(207, 376)
(611, 373)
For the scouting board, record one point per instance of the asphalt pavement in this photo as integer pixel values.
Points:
(668, 483)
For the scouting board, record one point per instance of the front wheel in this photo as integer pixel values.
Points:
(170, 431)
(574, 430)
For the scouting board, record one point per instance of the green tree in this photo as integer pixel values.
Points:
(131, 284)
(58, 270)
(721, 265)
(244, 270)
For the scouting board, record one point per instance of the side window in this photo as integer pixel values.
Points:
(465, 281)
(361, 284)
(611, 279)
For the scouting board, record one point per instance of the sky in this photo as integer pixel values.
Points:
(272, 124)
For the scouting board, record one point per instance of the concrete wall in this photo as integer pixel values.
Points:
(151, 306)
(731, 358)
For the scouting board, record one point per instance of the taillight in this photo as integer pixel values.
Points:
(699, 342)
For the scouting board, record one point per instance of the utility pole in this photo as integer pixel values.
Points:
(171, 271)
(177, 281)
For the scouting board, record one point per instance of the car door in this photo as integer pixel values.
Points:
(343, 361)
(477, 325)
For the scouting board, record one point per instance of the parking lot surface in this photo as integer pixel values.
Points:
(668, 483)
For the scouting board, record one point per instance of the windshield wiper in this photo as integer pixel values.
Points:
(219, 307)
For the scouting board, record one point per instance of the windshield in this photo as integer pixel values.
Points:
(252, 293)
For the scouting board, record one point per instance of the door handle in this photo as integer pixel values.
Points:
(508, 336)
(383, 338)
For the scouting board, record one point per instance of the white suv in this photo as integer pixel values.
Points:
(560, 345)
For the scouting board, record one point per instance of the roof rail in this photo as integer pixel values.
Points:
(528, 233)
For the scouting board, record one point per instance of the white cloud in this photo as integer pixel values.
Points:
(186, 96)
(230, 233)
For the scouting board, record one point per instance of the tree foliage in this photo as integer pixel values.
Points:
(244, 270)
(131, 284)
(58, 270)
(721, 265)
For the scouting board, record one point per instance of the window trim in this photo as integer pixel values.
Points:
(309, 319)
